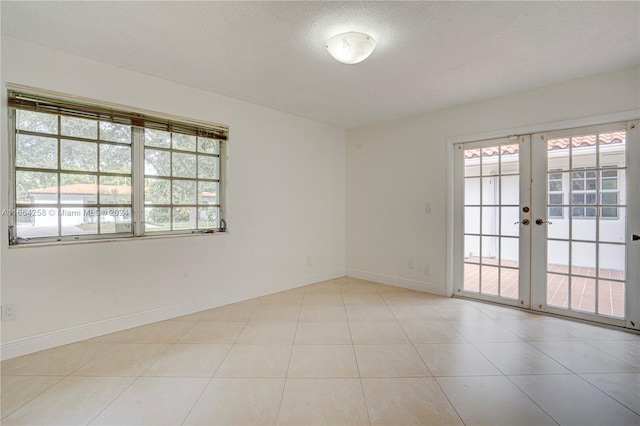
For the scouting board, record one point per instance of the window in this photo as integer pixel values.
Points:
(584, 197)
(182, 182)
(556, 195)
(85, 171)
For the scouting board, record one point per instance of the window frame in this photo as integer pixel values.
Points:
(598, 206)
(559, 192)
(175, 125)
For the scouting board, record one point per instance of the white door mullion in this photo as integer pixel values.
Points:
(633, 225)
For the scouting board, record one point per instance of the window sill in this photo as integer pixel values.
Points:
(113, 240)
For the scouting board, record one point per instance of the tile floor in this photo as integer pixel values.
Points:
(339, 352)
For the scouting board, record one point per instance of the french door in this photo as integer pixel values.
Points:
(547, 222)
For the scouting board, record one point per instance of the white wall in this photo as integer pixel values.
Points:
(395, 168)
(285, 195)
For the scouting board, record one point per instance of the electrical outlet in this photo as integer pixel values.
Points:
(427, 270)
(427, 208)
(8, 312)
(308, 260)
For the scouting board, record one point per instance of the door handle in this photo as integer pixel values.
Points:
(540, 222)
(635, 237)
(523, 221)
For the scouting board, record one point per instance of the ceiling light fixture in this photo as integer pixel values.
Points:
(351, 48)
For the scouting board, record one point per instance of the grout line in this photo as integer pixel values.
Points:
(286, 377)
(353, 348)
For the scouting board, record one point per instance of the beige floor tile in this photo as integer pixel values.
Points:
(160, 332)
(434, 331)
(59, 361)
(283, 298)
(492, 400)
(189, 360)
(627, 351)
(519, 358)
(74, 400)
(408, 401)
(275, 313)
(323, 333)
(323, 287)
(581, 357)
(323, 314)
(502, 313)
(359, 288)
(389, 361)
(377, 333)
(213, 332)
(323, 299)
(323, 402)
(595, 332)
(256, 361)
(363, 299)
(18, 390)
(271, 333)
(445, 359)
(229, 313)
(238, 402)
(369, 313)
(415, 313)
(623, 387)
(407, 299)
(154, 401)
(313, 361)
(484, 331)
(122, 359)
(571, 400)
(537, 330)
(452, 312)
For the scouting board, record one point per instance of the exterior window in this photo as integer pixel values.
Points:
(182, 182)
(584, 197)
(556, 195)
(82, 172)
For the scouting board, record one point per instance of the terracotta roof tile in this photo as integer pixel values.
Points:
(553, 144)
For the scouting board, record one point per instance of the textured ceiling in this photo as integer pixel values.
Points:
(429, 54)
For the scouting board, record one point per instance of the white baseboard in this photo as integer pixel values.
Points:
(79, 333)
(397, 281)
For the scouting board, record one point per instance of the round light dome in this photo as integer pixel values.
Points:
(351, 48)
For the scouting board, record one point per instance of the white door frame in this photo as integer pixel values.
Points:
(524, 173)
(633, 223)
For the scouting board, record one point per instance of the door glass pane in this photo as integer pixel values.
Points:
(583, 294)
(508, 221)
(583, 229)
(509, 279)
(612, 146)
(471, 162)
(472, 220)
(490, 161)
(583, 152)
(558, 256)
(510, 187)
(611, 298)
(509, 252)
(558, 154)
(490, 250)
(612, 263)
(489, 283)
(471, 277)
(558, 290)
(490, 220)
(490, 191)
(583, 259)
(471, 248)
(472, 191)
